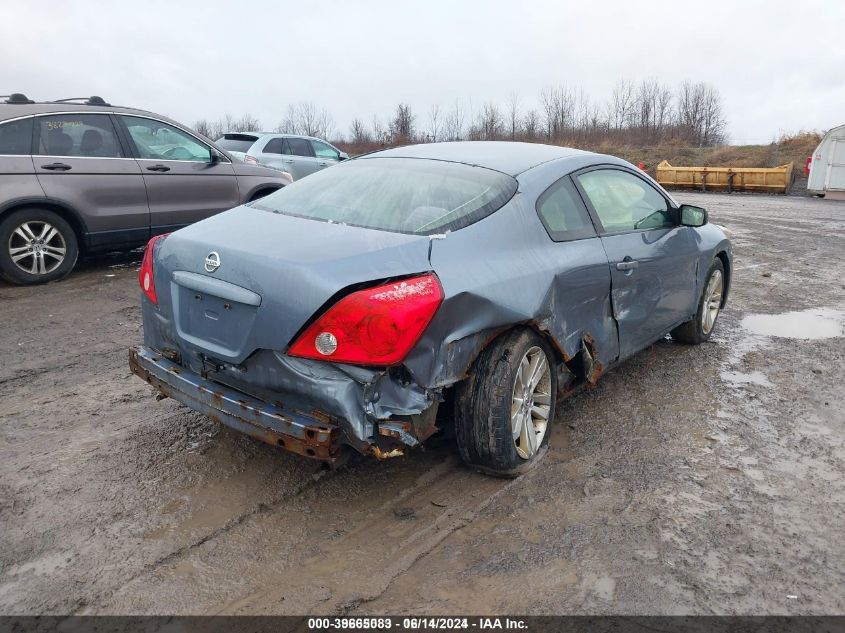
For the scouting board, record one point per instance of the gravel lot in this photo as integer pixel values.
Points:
(704, 479)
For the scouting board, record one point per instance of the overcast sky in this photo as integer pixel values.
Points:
(779, 66)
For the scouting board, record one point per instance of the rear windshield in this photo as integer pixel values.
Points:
(403, 195)
(236, 142)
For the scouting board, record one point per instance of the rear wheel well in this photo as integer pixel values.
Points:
(727, 266)
(574, 364)
(265, 191)
(70, 217)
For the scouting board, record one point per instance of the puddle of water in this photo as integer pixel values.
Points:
(817, 323)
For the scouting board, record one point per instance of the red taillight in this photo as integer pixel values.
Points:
(252, 160)
(376, 326)
(146, 277)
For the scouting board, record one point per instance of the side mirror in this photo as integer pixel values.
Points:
(343, 156)
(692, 216)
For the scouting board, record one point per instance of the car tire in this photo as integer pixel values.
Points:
(700, 327)
(36, 246)
(493, 406)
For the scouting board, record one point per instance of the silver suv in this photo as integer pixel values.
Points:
(297, 155)
(81, 175)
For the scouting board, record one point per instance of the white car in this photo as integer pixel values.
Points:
(297, 155)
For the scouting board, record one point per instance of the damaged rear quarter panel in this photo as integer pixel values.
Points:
(505, 270)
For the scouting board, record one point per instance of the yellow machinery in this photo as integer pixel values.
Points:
(768, 179)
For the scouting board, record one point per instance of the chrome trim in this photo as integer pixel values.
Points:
(34, 156)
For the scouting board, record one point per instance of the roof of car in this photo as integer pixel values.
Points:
(261, 135)
(506, 156)
(11, 111)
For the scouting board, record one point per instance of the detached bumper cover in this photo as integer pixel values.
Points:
(272, 424)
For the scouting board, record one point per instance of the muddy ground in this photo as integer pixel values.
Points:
(704, 479)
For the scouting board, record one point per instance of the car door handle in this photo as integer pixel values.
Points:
(627, 265)
(158, 168)
(56, 167)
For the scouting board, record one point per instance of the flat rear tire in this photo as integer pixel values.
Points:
(505, 407)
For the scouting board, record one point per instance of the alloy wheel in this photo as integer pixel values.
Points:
(37, 247)
(531, 403)
(712, 301)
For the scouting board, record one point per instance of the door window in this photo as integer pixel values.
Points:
(625, 202)
(299, 147)
(563, 213)
(16, 137)
(82, 135)
(275, 146)
(157, 140)
(324, 150)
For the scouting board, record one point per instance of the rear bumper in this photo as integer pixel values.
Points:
(272, 424)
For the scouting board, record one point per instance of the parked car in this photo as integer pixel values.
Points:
(83, 176)
(352, 306)
(298, 155)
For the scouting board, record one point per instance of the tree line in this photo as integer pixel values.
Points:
(647, 113)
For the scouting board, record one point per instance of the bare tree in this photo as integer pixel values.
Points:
(380, 134)
(559, 111)
(663, 114)
(402, 124)
(306, 118)
(645, 107)
(513, 113)
(203, 127)
(531, 125)
(489, 126)
(434, 122)
(359, 131)
(700, 114)
(454, 125)
(714, 123)
(620, 107)
(647, 112)
(289, 123)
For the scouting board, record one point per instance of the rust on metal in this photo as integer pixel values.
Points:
(318, 442)
(322, 416)
(594, 369)
(386, 454)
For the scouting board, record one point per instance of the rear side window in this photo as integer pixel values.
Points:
(275, 146)
(299, 147)
(324, 150)
(82, 135)
(236, 142)
(16, 137)
(563, 213)
(403, 195)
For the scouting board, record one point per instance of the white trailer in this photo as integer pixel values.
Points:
(827, 168)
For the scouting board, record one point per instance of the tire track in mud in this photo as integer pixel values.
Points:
(329, 547)
(89, 606)
(387, 544)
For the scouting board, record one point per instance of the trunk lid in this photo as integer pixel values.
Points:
(270, 275)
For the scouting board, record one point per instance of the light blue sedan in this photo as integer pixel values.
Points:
(471, 284)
